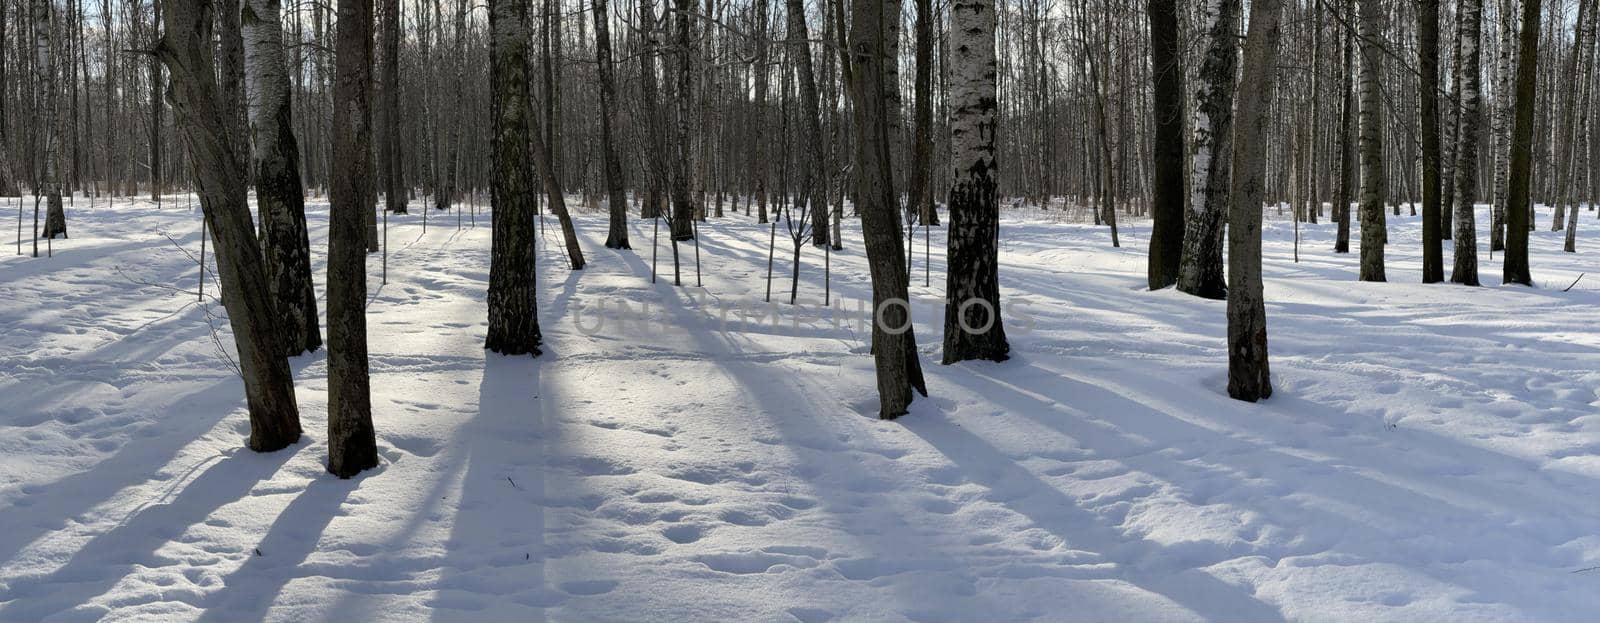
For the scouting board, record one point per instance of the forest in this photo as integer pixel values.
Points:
(593, 309)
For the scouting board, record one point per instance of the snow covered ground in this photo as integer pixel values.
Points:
(1430, 453)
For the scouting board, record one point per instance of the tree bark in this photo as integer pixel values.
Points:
(920, 191)
(219, 172)
(8, 177)
(1166, 210)
(1200, 270)
(812, 184)
(610, 113)
(1248, 376)
(894, 346)
(156, 122)
(1465, 271)
(656, 150)
(280, 199)
(1372, 156)
(1567, 137)
(759, 146)
(1502, 105)
(513, 297)
(1518, 201)
(50, 183)
(683, 117)
(352, 445)
(390, 148)
(230, 42)
(1428, 92)
(1347, 142)
(972, 323)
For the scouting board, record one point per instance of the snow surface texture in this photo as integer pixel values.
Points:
(1429, 452)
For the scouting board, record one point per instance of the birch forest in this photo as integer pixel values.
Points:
(875, 310)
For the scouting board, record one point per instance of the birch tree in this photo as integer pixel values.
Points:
(512, 298)
(1248, 376)
(1465, 272)
(44, 58)
(1519, 203)
(1372, 163)
(218, 171)
(1200, 272)
(280, 199)
(972, 323)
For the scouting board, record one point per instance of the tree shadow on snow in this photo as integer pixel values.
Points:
(494, 568)
(110, 556)
(70, 497)
(249, 591)
(1296, 464)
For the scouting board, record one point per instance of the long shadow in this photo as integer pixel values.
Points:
(66, 499)
(19, 270)
(495, 563)
(1353, 471)
(110, 556)
(888, 536)
(1151, 566)
(1196, 590)
(249, 591)
(1044, 505)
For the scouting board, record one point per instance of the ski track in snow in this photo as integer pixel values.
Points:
(1429, 452)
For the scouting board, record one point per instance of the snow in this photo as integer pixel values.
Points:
(1429, 452)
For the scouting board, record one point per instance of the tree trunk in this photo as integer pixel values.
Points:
(230, 41)
(1428, 92)
(280, 200)
(1372, 165)
(558, 203)
(450, 169)
(551, 134)
(513, 296)
(683, 117)
(1502, 103)
(156, 121)
(1469, 15)
(1518, 202)
(610, 114)
(759, 146)
(972, 324)
(1248, 376)
(1451, 142)
(351, 443)
(1166, 210)
(1567, 136)
(919, 189)
(812, 179)
(894, 346)
(8, 177)
(656, 150)
(1347, 143)
(390, 148)
(50, 183)
(219, 171)
(1200, 271)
